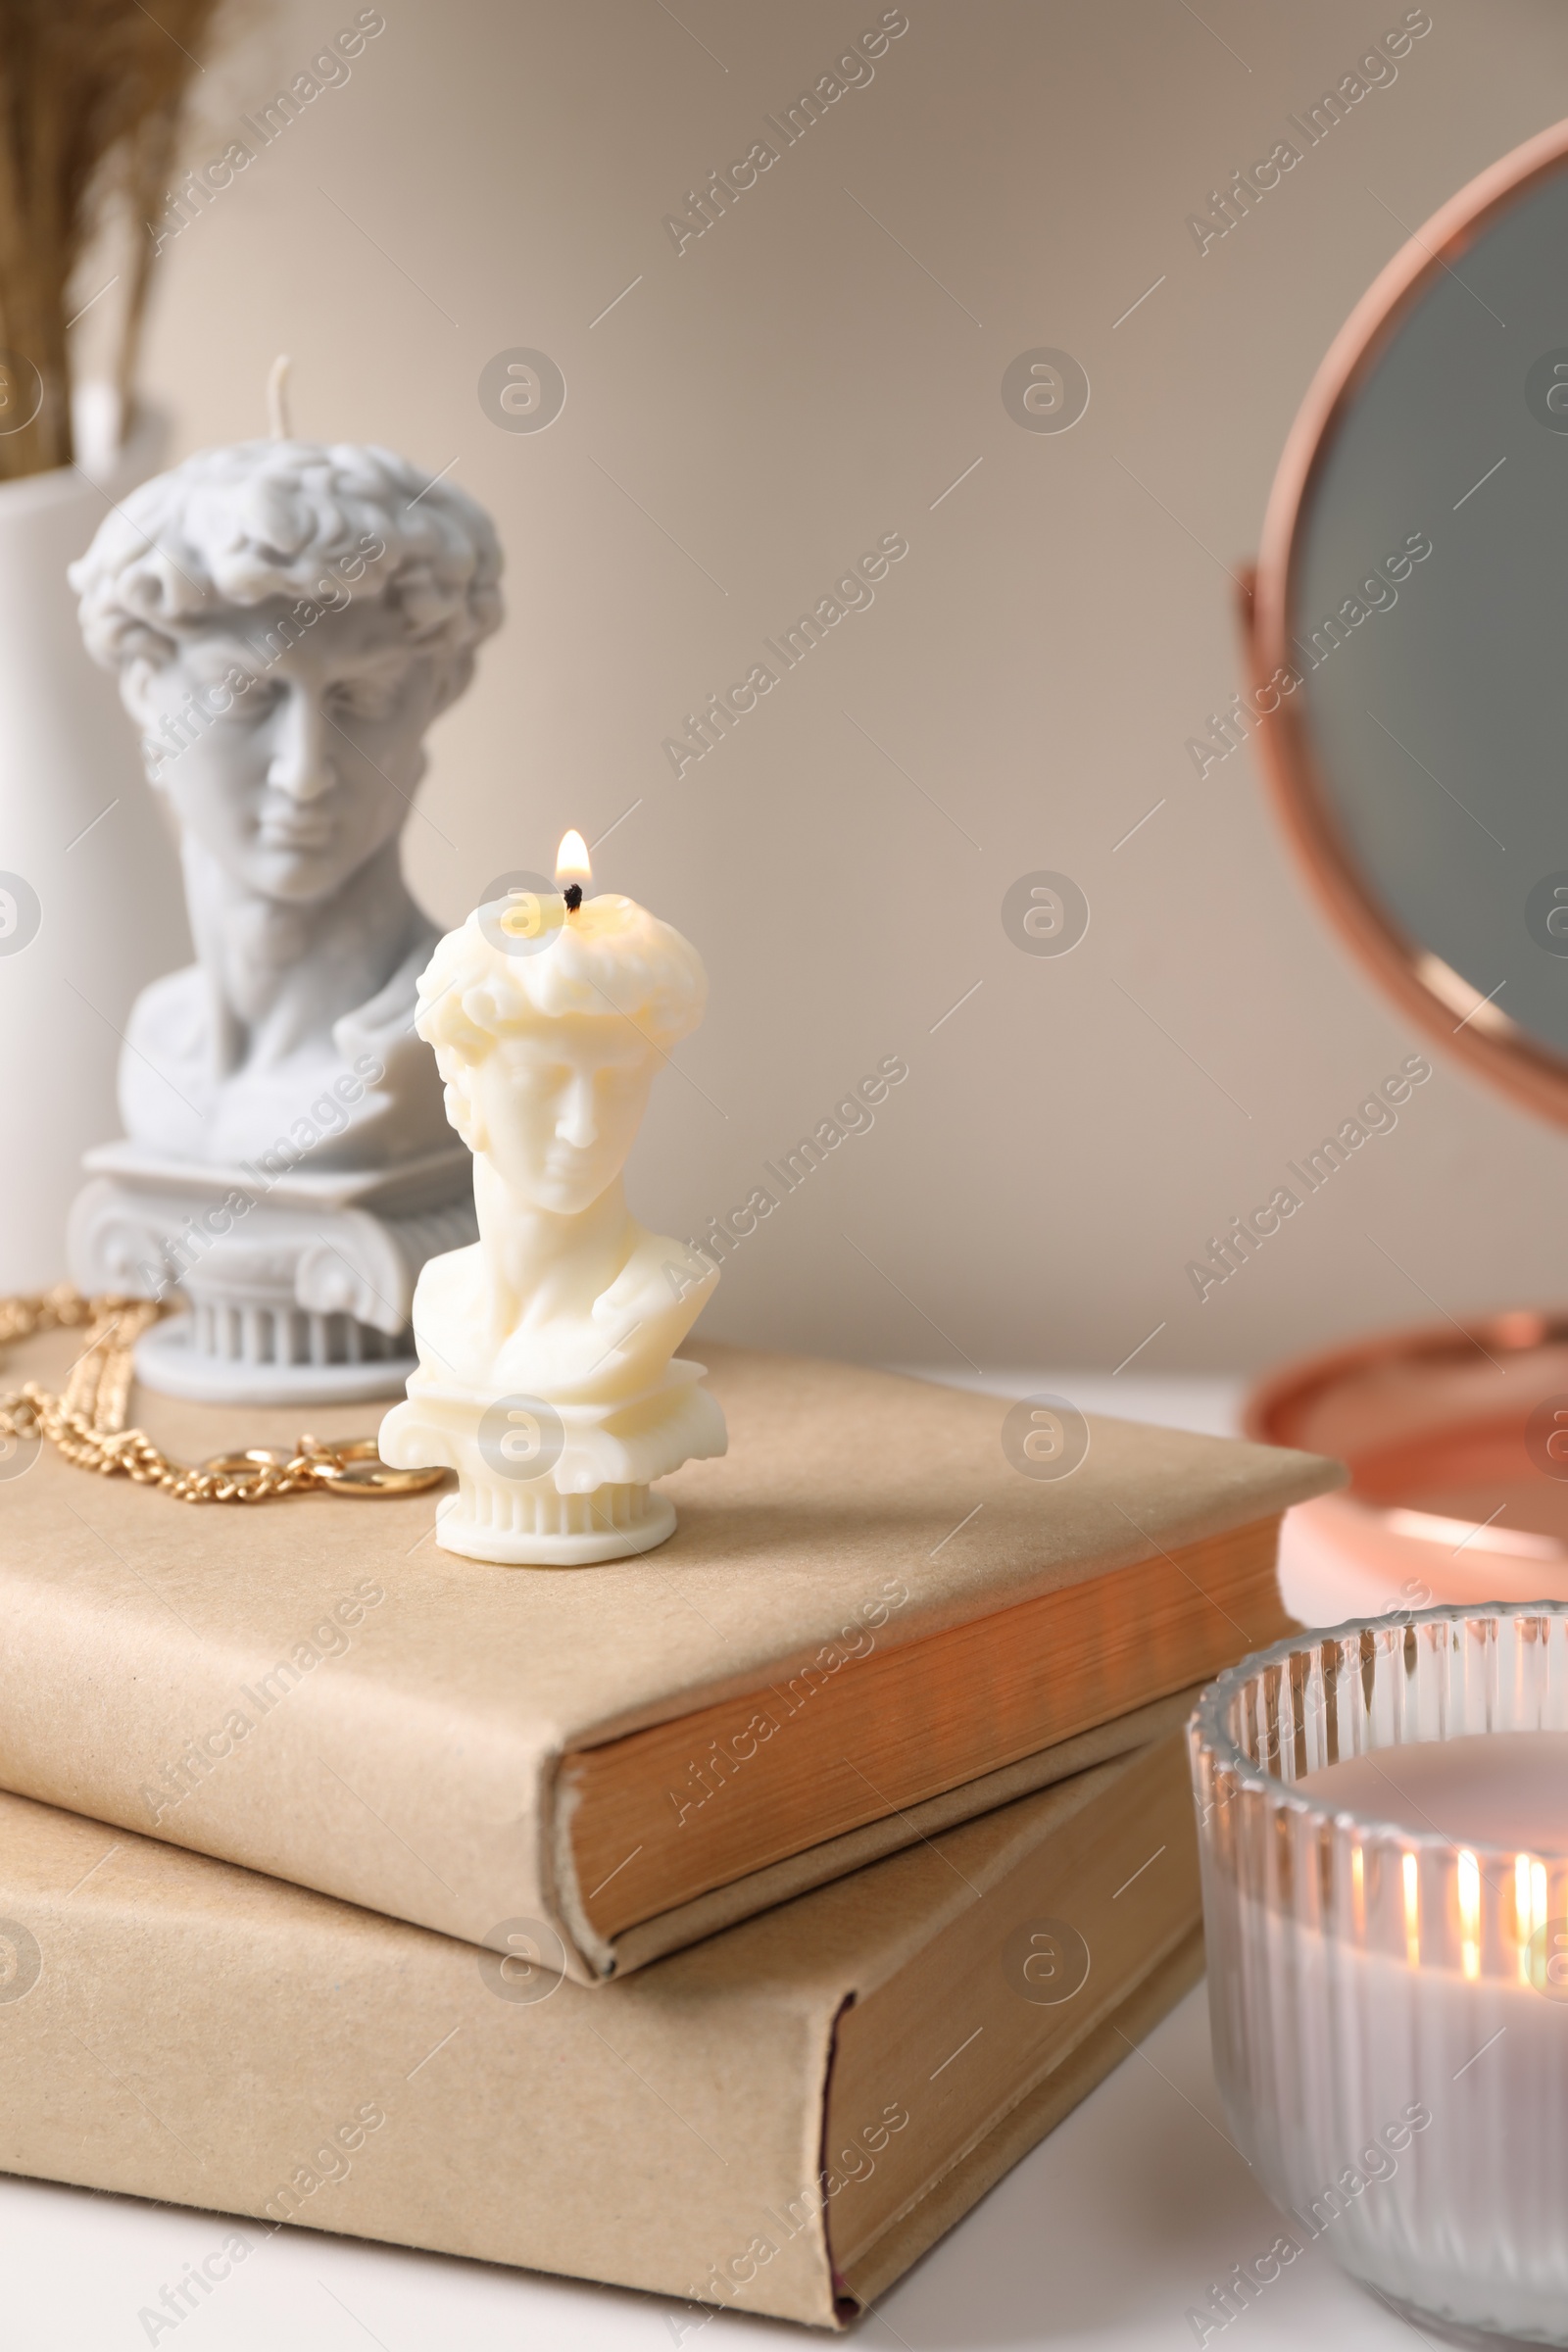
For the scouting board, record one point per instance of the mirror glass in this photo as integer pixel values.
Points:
(1425, 604)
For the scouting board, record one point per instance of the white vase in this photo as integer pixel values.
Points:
(79, 825)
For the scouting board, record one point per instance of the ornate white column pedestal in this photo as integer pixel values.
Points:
(300, 1292)
(555, 1485)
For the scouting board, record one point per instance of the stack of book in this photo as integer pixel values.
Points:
(721, 1922)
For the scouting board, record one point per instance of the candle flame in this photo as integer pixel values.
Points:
(1530, 1908)
(1469, 1888)
(572, 860)
(1412, 1910)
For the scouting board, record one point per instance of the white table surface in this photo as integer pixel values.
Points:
(1097, 2243)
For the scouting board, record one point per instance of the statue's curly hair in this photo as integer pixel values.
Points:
(268, 518)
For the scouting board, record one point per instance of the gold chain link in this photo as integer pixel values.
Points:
(86, 1424)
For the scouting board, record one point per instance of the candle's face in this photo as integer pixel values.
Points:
(304, 739)
(555, 1107)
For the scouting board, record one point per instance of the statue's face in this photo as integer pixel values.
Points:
(555, 1108)
(304, 746)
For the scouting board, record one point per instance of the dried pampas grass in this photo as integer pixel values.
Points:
(91, 94)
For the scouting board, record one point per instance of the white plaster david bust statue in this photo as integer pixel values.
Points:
(286, 618)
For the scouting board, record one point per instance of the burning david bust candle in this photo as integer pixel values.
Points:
(547, 1375)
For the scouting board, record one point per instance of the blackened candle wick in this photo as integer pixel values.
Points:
(573, 896)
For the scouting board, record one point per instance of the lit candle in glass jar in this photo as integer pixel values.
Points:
(1383, 1826)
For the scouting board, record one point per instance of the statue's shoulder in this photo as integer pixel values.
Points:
(658, 1270)
(393, 1000)
(384, 1023)
(173, 1014)
(453, 1282)
(168, 1069)
(452, 1317)
(406, 1111)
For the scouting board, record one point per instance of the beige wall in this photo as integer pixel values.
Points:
(756, 412)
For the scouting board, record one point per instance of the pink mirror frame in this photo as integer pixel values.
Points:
(1445, 1005)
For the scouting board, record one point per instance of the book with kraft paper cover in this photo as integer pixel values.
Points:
(868, 1622)
(778, 2120)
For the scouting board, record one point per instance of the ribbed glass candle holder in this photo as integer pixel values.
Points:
(1391, 2007)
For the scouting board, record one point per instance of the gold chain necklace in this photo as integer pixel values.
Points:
(87, 1421)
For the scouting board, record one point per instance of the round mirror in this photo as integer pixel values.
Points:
(1408, 626)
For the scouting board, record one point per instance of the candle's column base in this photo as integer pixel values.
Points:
(535, 1526)
(555, 1485)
